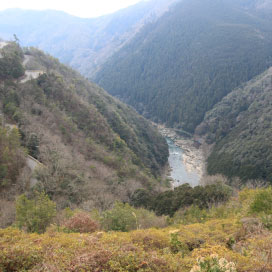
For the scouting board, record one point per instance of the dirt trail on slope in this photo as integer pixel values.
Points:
(30, 74)
(3, 44)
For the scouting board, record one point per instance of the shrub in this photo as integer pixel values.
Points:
(148, 219)
(91, 261)
(19, 258)
(125, 261)
(191, 215)
(35, 214)
(262, 202)
(81, 222)
(121, 217)
(213, 264)
(150, 239)
(267, 220)
(177, 245)
(262, 205)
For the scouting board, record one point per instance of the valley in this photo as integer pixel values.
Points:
(172, 77)
(153, 155)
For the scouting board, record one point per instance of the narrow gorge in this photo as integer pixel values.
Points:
(186, 158)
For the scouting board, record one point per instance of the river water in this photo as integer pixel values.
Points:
(179, 172)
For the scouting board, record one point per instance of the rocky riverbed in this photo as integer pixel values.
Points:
(192, 154)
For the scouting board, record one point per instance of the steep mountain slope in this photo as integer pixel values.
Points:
(240, 126)
(82, 43)
(93, 148)
(177, 68)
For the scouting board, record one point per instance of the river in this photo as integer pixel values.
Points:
(179, 172)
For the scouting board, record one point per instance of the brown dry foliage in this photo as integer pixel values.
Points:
(81, 222)
(93, 261)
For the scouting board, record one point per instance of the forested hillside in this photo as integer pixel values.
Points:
(82, 43)
(179, 67)
(240, 126)
(92, 148)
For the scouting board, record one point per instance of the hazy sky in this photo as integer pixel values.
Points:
(82, 8)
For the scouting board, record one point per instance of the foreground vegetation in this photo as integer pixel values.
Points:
(170, 201)
(234, 236)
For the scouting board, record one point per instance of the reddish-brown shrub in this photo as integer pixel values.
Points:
(94, 261)
(81, 222)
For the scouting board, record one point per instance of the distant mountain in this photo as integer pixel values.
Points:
(240, 127)
(177, 68)
(84, 44)
(93, 148)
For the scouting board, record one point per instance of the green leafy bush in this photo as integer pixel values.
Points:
(121, 217)
(262, 206)
(191, 215)
(177, 245)
(262, 202)
(35, 214)
(148, 219)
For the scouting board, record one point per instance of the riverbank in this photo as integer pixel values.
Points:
(193, 155)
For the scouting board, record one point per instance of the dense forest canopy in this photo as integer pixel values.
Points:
(240, 127)
(177, 68)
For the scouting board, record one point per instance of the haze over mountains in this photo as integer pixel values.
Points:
(82, 43)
